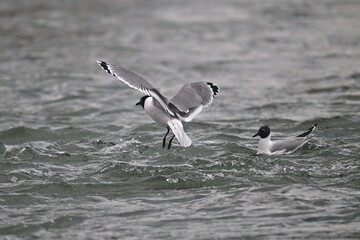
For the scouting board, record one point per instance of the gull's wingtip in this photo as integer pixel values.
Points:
(215, 88)
(105, 66)
(308, 131)
(100, 62)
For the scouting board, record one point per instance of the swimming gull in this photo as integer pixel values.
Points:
(266, 146)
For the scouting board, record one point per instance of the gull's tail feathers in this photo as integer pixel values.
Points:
(177, 128)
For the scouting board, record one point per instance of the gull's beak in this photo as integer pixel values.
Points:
(139, 103)
(257, 134)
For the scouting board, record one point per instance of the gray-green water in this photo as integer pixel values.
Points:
(79, 161)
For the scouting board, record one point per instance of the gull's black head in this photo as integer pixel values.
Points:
(263, 132)
(142, 101)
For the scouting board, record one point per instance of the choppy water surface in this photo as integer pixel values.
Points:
(79, 161)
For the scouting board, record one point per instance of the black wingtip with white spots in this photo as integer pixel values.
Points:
(308, 131)
(104, 65)
(214, 88)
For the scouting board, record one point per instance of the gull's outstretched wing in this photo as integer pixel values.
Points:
(135, 81)
(192, 98)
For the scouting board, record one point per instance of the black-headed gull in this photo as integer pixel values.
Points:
(266, 146)
(184, 106)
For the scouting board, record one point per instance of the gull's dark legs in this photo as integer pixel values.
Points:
(170, 141)
(164, 139)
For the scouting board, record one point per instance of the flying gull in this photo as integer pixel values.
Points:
(184, 106)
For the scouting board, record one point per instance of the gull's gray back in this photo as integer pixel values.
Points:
(288, 145)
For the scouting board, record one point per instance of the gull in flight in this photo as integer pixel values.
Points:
(170, 113)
